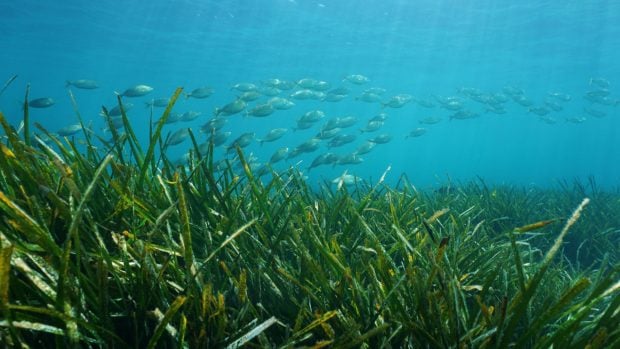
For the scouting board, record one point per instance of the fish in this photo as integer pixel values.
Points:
(342, 90)
(280, 84)
(83, 84)
(425, 103)
(324, 159)
(273, 135)
(369, 97)
(219, 138)
(379, 117)
(231, 108)
(540, 111)
(261, 110)
(594, 112)
(279, 155)
(496, 109)
(116, 111)
(190, 115)
(215, 123)
(381, 139)
(327, 134)
(174, 118)
(602, 100)
(576, 119)
(307, 94)
(244, 87)
(603, 92)
(302, 125)
(242, 141)
(347, 121)
(200, 93)
(250, 96)
(376, 90)
(281, 103)
(312, 116)
(365, 148)
(341, 140)
(269, 91)
(44, 102)
(548, 119)
(522, 100)
(397, 101)
(416, 132)
(513, 91)
(136, 91)
(313, 84)
(116, 122)
(600, 82)
(463, 115)
(331, 97)
(430, 120)
(330, 124)
(564, 97)
(346, 179)
(372, 126)
(308, 146)
(450, 103)
(69, 130)
(178, 137)
(553, 105)
(356, 79)
(159, 102)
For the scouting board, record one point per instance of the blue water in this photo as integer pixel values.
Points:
(422, 48)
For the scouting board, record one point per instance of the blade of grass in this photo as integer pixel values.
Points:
(253, 333)
(153, 141)
(520, 304)
(159, 330)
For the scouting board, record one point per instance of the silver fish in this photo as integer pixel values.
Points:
(416, 132)
(261, 110)
(116, 111)
(341, 140)
(279, 155)
(200, 93)
(231, 108)
(83, 84)
(69, 130)
(190, 115)
(356, 79)
(245, 87)
(281, 103)
(372, 126)
(137, 91)
(158, 103)
(381, 139)
(44, 102)
(312, 116)
(431, 120)
(179, 136)
(273, 135)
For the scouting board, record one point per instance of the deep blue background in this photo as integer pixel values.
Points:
(421, 48)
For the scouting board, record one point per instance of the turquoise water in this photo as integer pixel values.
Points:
(421, 48)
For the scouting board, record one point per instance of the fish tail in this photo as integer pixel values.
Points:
(68, 83)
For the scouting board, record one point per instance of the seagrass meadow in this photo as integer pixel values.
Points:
(118, 247)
